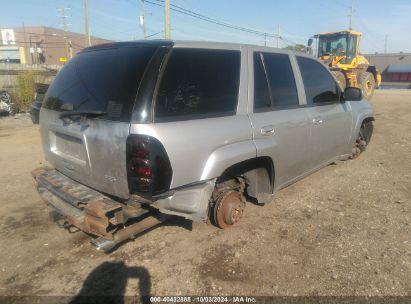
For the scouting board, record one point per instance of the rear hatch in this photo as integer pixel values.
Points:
(85, 118)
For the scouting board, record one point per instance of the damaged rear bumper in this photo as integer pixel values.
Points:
(91, 211)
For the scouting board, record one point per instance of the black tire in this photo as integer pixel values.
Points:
(365, 135)
(341, 79)
(367, 129)
(367, 84)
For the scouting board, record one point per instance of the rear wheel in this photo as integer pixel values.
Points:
(367, 84)
(229, 209)
(341, 79)
(228, 203)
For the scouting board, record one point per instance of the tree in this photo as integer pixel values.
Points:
(297, 47)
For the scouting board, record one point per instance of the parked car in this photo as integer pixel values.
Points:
(139, 130)
(40, 91)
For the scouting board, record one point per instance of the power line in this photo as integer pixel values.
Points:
(151, 35)
(193, 14)
(47, 44)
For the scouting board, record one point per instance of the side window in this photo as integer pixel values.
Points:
(262, 99)
(198, 83)
(281, 79)
(319, 85)
(274, 82)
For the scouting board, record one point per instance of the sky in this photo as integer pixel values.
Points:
(298, 19)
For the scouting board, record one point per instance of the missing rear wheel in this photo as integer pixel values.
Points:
(229, 209)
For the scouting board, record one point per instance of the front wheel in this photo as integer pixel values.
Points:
(364, 138)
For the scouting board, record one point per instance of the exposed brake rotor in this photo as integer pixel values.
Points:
(229, 208)
(359, 147)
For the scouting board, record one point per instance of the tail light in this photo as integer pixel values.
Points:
(148, 167)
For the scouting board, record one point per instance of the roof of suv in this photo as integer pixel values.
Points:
(183, 43)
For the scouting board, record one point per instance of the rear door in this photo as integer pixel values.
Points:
(331, 119)
(280, 123)
(200, 109)
(92, 149)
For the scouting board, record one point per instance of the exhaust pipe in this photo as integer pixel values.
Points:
(128, 232)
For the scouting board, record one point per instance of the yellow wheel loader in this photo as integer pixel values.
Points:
(340, 51)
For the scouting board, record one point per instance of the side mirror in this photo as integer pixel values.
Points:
(310, 42)
(352, 94)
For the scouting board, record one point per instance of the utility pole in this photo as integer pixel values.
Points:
(143, 19)
(278, 36)
(265, 39)
(86, 24)
(31, 53)
(167, 19)
(386, 44)
(65, 25)
(25, 43)
(351, 14)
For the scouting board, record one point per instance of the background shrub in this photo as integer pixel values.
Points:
(24, 92)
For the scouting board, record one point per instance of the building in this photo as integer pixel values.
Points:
(395, 68)
(41, 45)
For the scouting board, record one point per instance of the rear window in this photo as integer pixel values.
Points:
(104, 80)
(198, 83)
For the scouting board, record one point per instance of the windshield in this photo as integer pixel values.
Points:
(105, 80)
(337, 45)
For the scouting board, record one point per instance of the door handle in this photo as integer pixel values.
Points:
(317, 121)
(267, 131)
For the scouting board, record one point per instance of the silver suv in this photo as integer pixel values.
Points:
(139, 130)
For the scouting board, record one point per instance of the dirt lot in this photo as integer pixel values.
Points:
(344, 230)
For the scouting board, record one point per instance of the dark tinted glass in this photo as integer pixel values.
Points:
(104, 80)
(319, 85)
(275, 70)
(281, 79)
(39, 97)
(198, 83)
(261, 92)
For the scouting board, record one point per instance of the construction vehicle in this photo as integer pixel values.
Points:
(340, 51)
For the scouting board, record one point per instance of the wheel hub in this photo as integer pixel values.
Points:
(368, 86)
(229, 209)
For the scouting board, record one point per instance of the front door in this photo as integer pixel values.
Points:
(330, 118)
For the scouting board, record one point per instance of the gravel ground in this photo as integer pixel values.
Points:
(344, 230)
